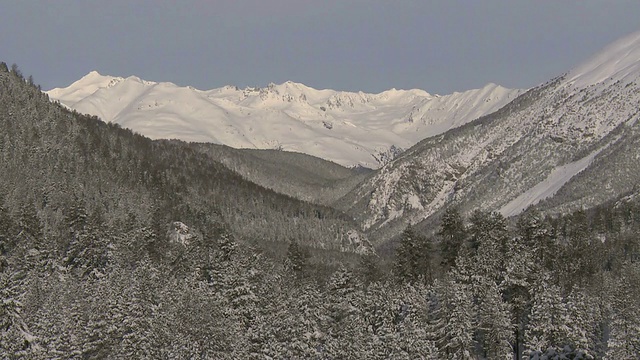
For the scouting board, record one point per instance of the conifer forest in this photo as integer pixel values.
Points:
(114, 246)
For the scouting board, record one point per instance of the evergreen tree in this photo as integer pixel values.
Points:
(520, 272)
(343, 323)
(29, 224)
(15, 70)
(494, 323)
(624, 340)
(76, 215)
(537, 234)
(296, 259)
(584, 319)
(548, 326)
(369, 268)
(16, 341)
(413, 257)
(7, 232)
(452, 235)
(485, 225)
(454, 336)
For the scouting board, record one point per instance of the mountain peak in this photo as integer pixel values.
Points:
(93, 73)
(349, 128)
(619, 61)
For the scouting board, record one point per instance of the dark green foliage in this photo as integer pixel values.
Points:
(452, 235)
(537, 235)
(295, 174)
(370, 268)
(16, 71)
(487, 227)
(413, 258)
(297, 259)
(29, 224)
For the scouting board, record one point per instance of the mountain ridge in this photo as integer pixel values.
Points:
(349, 128)
(522, 154)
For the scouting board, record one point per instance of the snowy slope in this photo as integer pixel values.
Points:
(547, 188)
(345, 127)
(619, 61)
(525, 152)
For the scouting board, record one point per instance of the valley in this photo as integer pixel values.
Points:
(147, 220)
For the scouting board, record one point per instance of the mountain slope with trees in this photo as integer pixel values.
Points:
(521, 154)
(116, 246)
(51, 155)
(295, 174)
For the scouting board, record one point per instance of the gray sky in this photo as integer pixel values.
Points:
(373, 45)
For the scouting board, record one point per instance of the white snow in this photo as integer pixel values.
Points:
(619, 61)
(452, 168)
(350, 128)
(549, 186)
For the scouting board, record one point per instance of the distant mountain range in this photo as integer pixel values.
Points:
(351, 129)
(572, 142)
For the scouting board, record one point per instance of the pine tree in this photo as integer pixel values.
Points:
(296, 259)
(536, 233)
(452, 235)
(520, 272)
(489, 232)
(76, 215)
(413, 258)
(580, 256)
(487, 225)
(369, 269)
(377, 311)
(343, 323)
(16, 341)
(494, 323)
(548, 324)
(7, 232)
(29, 224)
(584, 317)
(624, 340)
(454, 336)
(406, 262)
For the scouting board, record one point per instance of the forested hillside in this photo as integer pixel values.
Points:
(295, 174)
(51, 155)
(575, 136)
(116, 246)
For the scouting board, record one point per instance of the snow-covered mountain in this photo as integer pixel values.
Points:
(560, 134)
(345, 127)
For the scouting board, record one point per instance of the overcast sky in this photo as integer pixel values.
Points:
(369, 45)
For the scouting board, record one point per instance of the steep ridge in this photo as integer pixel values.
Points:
(55, 160)
(531, 148)
(351, 129)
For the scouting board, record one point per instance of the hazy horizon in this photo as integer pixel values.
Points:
(356, 45)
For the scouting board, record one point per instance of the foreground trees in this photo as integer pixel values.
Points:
(216, 298)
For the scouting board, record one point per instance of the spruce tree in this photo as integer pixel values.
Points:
(494, 323)
(548, 326)
(537, 234)
(452, 235)
(413, 257)
(624, 340)
(296, 259)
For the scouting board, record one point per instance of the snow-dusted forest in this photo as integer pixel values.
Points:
(116, 246)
